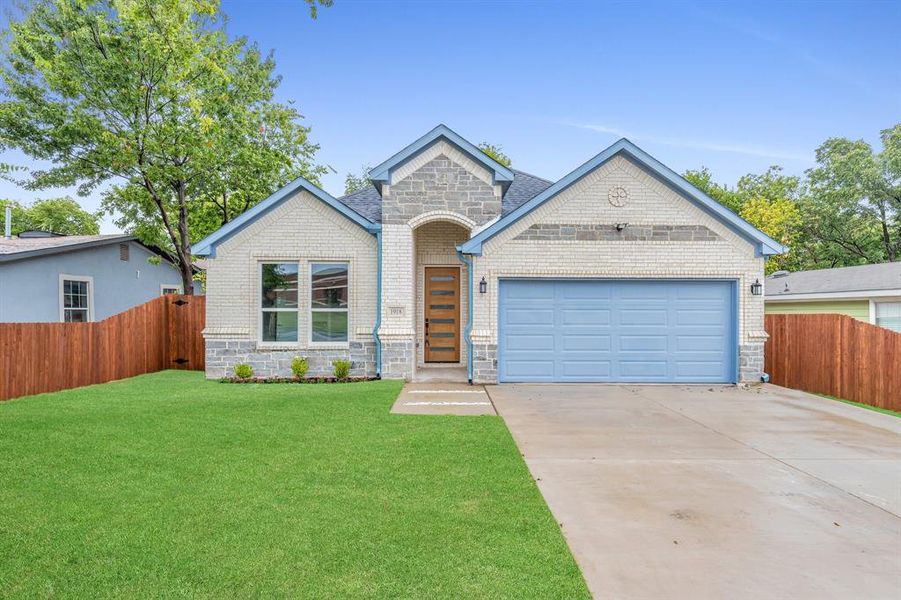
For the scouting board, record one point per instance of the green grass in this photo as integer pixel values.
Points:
(169, 485)
(884, 411)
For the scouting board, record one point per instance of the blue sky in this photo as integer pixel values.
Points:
(735, 87)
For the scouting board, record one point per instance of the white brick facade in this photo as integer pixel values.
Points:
(650, 202)
(304, 229)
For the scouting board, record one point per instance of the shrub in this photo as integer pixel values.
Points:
(299, 367)
(342, 368)
(243, 371)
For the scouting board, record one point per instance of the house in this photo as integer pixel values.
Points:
(48, 277)
(870, 293)
(619, 271)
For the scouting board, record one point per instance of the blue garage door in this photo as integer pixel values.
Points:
(628, 331)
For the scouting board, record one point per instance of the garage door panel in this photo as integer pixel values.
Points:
(700, 316)
(639, 331)
(526, 316)
(527, 342)
(584, 316)
(700, 343)
(642, 369)
(584, 370)
(585, 340)
(644, 317)
(643, 343)
(699, 370)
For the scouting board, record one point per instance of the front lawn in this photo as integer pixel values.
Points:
(169, 485)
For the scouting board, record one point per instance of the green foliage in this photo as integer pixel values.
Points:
(152, 97)
(299, 366)
(846, 211)
(780, 219)
(341, 368)
(703, 180)
(495, 152)
(243, 371)
(354, 183)
(857, 192)
(59, 215)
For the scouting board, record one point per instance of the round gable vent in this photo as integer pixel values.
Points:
(617, 196)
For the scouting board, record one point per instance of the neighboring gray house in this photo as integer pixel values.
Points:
(869, 293)
(47, 277)
(619, 271)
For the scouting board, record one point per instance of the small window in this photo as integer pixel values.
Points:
(123, 252)
(76, 300)
(328, 302)
(165, 290)
(888, 315)
(278, 302)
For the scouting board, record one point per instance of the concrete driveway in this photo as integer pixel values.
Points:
(715, 492)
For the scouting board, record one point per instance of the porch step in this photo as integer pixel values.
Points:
(443, 399)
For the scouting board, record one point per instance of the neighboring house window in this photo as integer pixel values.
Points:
(888, 315)
(169, 289)
(278, 302)
(123, 252)
(76, 300)
(328, 302)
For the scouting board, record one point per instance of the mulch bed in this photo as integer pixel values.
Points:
(296, 379)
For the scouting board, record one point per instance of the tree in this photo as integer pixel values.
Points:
(495, 152)
(858, 197)
(354, 183)
(59, 215)
(151, 97)
(780, 219)
(703, 180)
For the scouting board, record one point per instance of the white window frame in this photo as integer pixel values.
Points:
(873, 308)
(170, 286)
(310, 309)
(63, 277)
(259, 303)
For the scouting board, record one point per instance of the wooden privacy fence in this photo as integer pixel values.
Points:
(164, 333)
(835, 355)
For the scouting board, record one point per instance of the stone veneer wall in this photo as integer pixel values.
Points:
(484, 363)
(581, 232)
(592, 204)
(222, 356)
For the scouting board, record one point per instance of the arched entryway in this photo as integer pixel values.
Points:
(441, 283)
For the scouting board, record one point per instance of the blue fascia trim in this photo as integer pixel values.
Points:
(736, 353)
(467, 333)
(382, 173)
(765, 245)
(378, 305)
(207, 246)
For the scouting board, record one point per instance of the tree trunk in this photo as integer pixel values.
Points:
(184, 243)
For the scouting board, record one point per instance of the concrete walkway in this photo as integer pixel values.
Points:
(714, 491)
(443, 399)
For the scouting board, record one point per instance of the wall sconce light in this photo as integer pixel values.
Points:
(756, 288)
(621, 226)
(483, 286)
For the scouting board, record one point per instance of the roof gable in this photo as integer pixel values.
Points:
(765, 245)
(207, 246)
(381, 174)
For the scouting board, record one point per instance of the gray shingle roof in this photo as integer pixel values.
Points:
(885, 276)
(22, 247)
(368, 202)
(524, 187)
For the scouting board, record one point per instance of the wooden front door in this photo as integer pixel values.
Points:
(442, 314)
